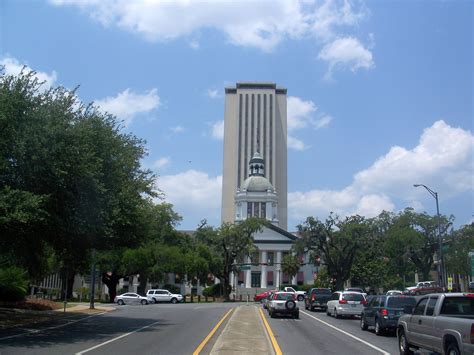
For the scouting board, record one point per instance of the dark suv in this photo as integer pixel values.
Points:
(317, 298)
(383, 312)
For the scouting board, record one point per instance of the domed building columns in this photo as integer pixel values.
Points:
(248, 274)
(263, 263)
(278, 269)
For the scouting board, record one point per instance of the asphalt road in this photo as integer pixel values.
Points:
(179, 329)
(316, 333)
(150, 329)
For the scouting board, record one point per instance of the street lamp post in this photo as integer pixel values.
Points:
(441, 263)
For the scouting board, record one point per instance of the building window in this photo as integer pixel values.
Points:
(270, 278)
(249, 209)
(270, 257)
(256, 209)
(263, 212)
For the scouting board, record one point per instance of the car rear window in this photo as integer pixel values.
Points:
(322, 291)
(458, 306)
(284, 296)
(353, 297)
(400, 302)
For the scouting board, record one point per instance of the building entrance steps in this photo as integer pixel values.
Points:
(244, 333)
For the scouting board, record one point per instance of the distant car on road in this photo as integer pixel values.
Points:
(344, 303)
(299, 294)
(424, 288)
(260, 296)
(283, 303)
(382, 312)
(155, 296)
(317, 298)
(394, 293)
(130, 298)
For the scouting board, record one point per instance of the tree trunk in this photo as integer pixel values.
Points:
(141, 289)
(70, 284)
(111, 280)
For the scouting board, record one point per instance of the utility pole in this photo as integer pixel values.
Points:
(92, 288)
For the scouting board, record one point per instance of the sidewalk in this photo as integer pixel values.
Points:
(244, 334)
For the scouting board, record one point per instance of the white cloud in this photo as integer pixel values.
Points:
(296, 144)
(218, 130)
(346, 53)
(322, 122)
(160, 163)
(194, 44)
(262, 25)
(127, 104)
(177, 129)
(194, 195)
(213, 94)
(443, 160)
(13, 67)
(299, 113)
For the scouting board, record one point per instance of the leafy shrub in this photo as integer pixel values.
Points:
(214, 290)
(13, 284)
(305, 288)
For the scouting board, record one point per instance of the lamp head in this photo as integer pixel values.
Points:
(416, 185)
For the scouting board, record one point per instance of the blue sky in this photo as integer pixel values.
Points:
(380, 93)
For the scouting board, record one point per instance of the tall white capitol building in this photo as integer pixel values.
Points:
(255, 178)
(254, 122)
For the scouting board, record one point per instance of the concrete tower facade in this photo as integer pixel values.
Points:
(254, 122)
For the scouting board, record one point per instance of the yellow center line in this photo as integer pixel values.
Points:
(206, 339)
(276, 347)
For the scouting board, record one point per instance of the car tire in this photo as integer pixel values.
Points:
(272, 314)
(144, 302)
(453, 349)
(363, 324)
(300, 298)
(336, 315)
(120, 302)
(403, 344)
(290, 305)
(153, 300)
(378, 328)
(174, 300)
(328, 313)
(296, 315)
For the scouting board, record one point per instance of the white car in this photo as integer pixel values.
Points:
(283, 303)
(130, 298)
(299, 294)
(345, 304)
(155, 296)
(394, 293)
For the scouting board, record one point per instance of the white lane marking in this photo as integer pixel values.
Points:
(348, 334)
(116, 338)
(35, 331)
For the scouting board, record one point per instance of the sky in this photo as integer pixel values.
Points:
(380, 93)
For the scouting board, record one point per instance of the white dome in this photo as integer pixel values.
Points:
(257, 184)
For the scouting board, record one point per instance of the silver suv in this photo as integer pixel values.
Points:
(155, 296)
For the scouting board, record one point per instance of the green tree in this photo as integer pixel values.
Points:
(290, 265)
(335, 241)
(229, 243)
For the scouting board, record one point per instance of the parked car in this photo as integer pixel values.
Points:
(283, 303)
(356, 289)
(382, 312)
(471, 286)
(442, 323)
(260, 296)
(317, 298)
(299, 294)
(155, 296)
(394, 293)
(130, 298)
(267, 299)
(425, 288)
(344, 303)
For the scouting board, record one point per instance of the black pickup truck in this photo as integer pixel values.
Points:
(317, 298)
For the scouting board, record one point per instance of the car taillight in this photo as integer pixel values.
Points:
(313, 297)
(472, 333)
(384, 312)
(343, 302)
(363, 302)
